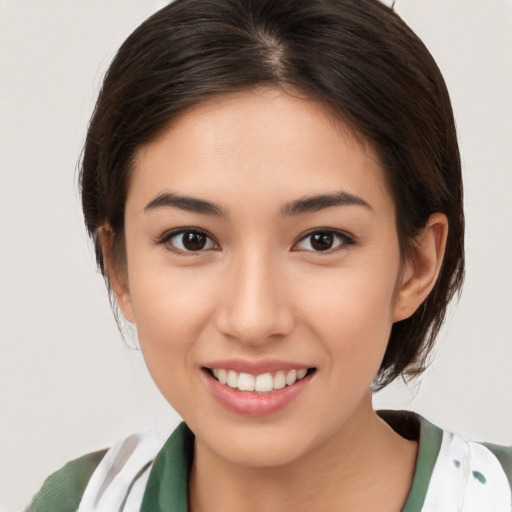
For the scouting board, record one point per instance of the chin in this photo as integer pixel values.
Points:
(260, 444)
(263, 453)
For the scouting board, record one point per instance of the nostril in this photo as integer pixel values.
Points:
(254, 326)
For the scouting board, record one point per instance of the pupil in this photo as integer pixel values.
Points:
(322, 241)
(194, 241)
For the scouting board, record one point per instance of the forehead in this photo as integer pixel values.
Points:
(265, 140)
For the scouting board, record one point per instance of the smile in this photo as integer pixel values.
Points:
(262, 383)
(257, 389)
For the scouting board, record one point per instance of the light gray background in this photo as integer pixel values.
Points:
(68, 385)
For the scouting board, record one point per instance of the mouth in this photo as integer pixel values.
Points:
(257, 388)
(262, 383)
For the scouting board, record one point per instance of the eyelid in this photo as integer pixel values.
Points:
(165, 238)
(346, 240)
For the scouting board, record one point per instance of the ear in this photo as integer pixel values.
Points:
(117, 274)
(422, 268)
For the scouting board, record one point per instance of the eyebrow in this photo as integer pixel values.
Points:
(186, 203)
(319, 202)
(309, 204)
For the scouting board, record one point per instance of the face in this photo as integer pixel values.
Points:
(262, 273)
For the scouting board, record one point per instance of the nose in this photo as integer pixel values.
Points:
(255, 306)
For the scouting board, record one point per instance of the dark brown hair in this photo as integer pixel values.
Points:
(357, 57)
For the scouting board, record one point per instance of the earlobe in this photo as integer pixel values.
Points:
(422, 269)
(117, 276)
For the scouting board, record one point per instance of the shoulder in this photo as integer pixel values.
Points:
(96, 479)
(453, 473)
(119, 481)
(476, 474)
(504, 456)
(63, 490)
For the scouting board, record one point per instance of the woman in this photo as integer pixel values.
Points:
(274, 193)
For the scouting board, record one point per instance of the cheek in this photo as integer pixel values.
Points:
(353, 315)
(170, 310)
(169, 319)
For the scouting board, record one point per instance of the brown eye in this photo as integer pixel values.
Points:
(187, 241)
(323, 241)
(194, 240)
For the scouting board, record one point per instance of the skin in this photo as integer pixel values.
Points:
(260, 290)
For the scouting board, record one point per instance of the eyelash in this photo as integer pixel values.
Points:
(166, 238)
(342, 238)
(338, 236)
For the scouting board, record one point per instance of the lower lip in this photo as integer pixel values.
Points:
(255, 404)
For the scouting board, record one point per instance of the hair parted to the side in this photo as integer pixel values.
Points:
(357, 57)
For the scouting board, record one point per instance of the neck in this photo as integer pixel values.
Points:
(350, 471)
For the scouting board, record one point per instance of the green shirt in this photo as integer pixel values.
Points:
(444, 461)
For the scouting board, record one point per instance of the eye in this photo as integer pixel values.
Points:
(323, 241)
(188, 240)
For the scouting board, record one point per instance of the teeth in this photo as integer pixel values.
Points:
(232, 381)
(301, 373)
(263, 383)
(246, 382)
(291, 377)
(279, 380)
(223, 376)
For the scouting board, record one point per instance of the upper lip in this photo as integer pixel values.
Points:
(255, 367)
